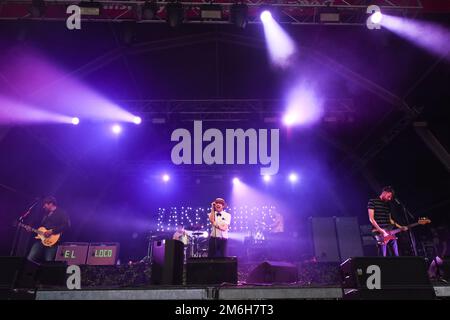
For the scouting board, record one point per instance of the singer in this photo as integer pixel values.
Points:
(220, 221)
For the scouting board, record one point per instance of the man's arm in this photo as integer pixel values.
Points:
(374, 223)
(397, 225)
(212, 214)
(65, 223)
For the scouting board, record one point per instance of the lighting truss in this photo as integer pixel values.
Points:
(298, 12)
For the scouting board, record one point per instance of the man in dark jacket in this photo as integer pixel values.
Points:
(56, 222)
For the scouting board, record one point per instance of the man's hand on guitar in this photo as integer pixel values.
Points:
(48, 233)
(384, 233)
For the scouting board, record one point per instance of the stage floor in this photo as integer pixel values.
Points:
(209, 293)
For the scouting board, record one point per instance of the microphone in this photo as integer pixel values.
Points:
(36, 201)
(396, 200)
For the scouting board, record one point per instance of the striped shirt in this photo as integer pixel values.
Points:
(382, 213)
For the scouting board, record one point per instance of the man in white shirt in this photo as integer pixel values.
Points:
(220, 221)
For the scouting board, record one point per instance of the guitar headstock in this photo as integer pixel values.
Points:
(423, 221)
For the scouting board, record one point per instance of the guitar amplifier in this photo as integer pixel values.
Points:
(103, 254)
(386, 278)
(72, 253)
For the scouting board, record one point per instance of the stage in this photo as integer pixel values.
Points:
(210, 293)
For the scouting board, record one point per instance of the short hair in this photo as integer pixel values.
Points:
(388, 189)
(50, 199)
(221, 201)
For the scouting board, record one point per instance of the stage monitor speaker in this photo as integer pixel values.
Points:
(167, 262)
(17, 273)
(386, 278)
(52, 274)
(445, 269)
(274, 272)
(211, 271)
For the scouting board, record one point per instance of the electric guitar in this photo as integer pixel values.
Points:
(383, 240)
(46, 241)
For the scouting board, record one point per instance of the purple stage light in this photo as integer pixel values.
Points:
(116, 129)
(75, 121)
(14, 112)
(236, 180)
(137, 120)
(267, 178)
(266, 16)
(279, 44)
(290, 118)
(50, 89)
(429, 36)
(165, 177)
(304, 107)
(293, 177)
(376, 17)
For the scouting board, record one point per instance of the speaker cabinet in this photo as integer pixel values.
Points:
(274, 272)
(167, 262)
(325, 244)
(17, 272)
(211, 271)
(386, 278)
(52, 274)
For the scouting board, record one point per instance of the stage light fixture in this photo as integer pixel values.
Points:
(329, 14)
(149, 10)
(376, 17)
(75, 121)
(211, 12)
(374, 20)
(116, 129)
(37, 8)
(267, 178)
(174, 14)
(293, 177)
(137, 120)
(266, 16)
(239, 15)
(236, 180)
(90, 8)
(165, 177)
(290, 118)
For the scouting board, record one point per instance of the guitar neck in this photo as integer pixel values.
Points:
(31, 228)
(408, 226)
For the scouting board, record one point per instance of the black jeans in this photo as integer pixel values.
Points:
(40, 253)
(217, 247)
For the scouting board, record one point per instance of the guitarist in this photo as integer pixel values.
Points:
(56, 221)
(381, 219)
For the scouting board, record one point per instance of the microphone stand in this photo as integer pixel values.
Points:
(407, 214)
(20, 220)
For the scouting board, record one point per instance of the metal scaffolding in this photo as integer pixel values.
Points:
(298, 12)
